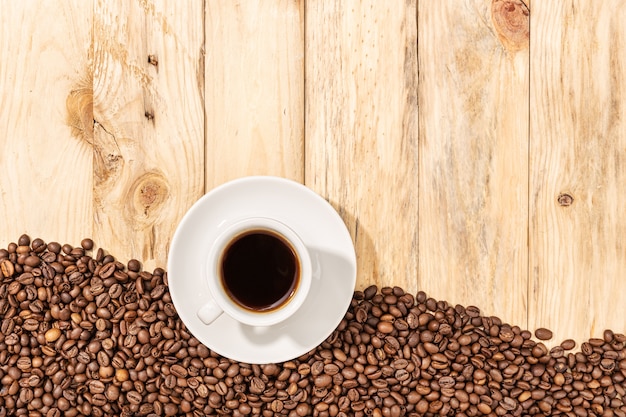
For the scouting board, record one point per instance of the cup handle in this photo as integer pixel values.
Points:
(209, 312)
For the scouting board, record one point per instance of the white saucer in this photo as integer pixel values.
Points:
(322, 231)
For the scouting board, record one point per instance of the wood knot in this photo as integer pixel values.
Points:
(565, 200)
(147, 197)
(79, 106)
(512, 23)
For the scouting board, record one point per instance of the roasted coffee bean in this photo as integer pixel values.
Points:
(385, 327)
(543, 333)
(370, 292)
(557, 352)
(169, 310)
(103, 300)
(96, 387)
(134, 397)
(30, 325)
(157, 292)
(87, 244)
(568, 344)
(115, 291)
(149, 316)
(7, 326)
(6, 268)
(24, 363)
(103, 358)
(178, 371)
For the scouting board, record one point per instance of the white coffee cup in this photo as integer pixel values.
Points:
(241, 256)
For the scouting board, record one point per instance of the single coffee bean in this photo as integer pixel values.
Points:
(87, 244)
(115, 291)
(103, 300)
(323, 381)
(96, 387)
(134, 397)
(385, 327)
(543, 334)
(112, 392)
(331, 369)
(568, 344)
(23, 240)
(169, 310)
(369, 292)
(122, 375)
(54, 247)
(107, 270)
(178, 371)
(586, 349)
(202, 391)
(157, 292)
(134, 265)
(70, 395)
(24, 363)
(6, 268)
(446, 382)
(30, 325)
(221, 388)
(167, 333)
(149, 316)
(607, 365)
(360, 315)
(506, 334)
(557, 352)
(26, 395)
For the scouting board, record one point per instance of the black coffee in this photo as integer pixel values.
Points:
(260, 270)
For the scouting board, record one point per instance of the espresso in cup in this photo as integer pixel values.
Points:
(260, 270)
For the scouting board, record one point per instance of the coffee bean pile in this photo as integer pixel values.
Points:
(89, 335)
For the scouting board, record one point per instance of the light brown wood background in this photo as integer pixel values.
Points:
(475, 148)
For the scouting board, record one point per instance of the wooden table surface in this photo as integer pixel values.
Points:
(475, 149)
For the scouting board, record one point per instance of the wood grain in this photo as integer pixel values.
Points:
(578, 142)
(45, 157)
(149, 123)
(254, 89)
(361, 129)
(473, 170)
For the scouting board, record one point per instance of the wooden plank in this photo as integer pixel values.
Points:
(473, 98)
(578, 145)
(361, 129)
(254, 89)
(149, 123)
(45, 120)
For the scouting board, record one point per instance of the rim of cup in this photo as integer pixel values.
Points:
(229, 306)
